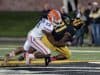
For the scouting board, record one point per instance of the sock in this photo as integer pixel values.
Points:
(12, 54)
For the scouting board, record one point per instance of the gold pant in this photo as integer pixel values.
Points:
(62, 50)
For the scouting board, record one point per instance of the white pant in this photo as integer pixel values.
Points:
(37, 44)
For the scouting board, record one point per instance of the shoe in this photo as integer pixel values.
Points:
(21, 58)
(47, 61)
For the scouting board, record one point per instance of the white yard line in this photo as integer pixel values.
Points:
(88, 51)
(59, 69)
(97, 68)
(94, 62)
(7, 48)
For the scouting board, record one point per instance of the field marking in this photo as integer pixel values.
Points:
(74, 69)
(8, 48)
(39, 72)
(41, 62)
(67, 71)
(59, 71)
(97, 68)
(94, 62)
(88, 51)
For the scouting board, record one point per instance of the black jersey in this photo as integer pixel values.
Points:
(59, 32)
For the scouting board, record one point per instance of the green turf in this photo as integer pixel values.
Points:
(17, 24)
(78, 53)
(85, 56)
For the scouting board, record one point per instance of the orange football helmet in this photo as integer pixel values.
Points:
(54, 17)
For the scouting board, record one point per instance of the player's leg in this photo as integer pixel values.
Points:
(13, 53)
(39, 46)
(29, 57)
(23, 55)
(65, 53)
(50, 46)
(17, 51)
(47, 43)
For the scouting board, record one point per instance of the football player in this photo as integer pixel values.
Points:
(44, 27)
(61, 36)
(56, 42)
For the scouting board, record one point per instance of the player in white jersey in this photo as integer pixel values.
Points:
(44, 27)
(35, 35)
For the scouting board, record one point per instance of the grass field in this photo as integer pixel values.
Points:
(78, 53)
(17, 24)
(84, 61)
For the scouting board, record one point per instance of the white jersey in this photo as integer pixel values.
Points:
(43, 24)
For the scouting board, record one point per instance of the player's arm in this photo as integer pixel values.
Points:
(52, 40)
(66, 39)
(67, 36)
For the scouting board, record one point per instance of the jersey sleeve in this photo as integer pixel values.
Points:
(48, 27)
